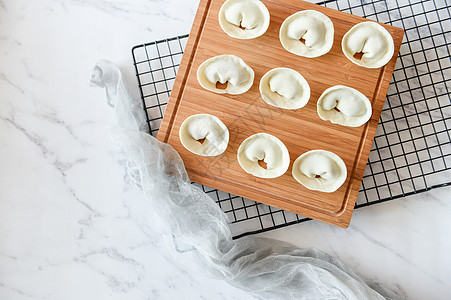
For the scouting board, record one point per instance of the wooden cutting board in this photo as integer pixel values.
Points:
(300, 130)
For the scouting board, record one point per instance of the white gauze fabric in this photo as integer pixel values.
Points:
(266, 268)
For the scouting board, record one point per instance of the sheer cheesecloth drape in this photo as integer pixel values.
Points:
(198, 229)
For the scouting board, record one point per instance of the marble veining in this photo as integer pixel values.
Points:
(71, 224)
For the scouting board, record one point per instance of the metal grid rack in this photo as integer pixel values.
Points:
(411, 152)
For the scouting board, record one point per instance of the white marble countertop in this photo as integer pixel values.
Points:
(70, 225)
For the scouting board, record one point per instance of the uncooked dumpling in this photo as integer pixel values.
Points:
(284, 88)
(229, 70)
(260, 149)
(244, 19)
(344, 106)
(307, 33)
(204, 134)
(368, 44)
(320, 170)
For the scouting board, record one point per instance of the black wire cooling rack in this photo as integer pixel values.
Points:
(411, 152)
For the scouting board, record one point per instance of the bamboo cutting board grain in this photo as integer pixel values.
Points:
(301, 130)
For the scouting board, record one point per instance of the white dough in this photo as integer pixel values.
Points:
(225, 68)
(250, 14)
(354, 107)
(312, 26)
(373, 40)
(266, 147)
(284, 88)
(204, 126)
(320, 170)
